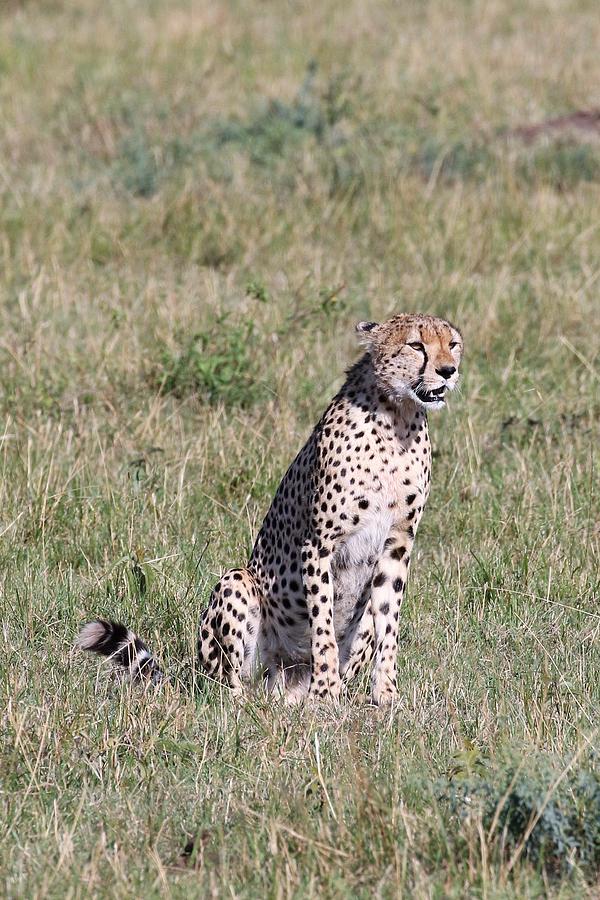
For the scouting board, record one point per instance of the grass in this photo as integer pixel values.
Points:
(197, 203)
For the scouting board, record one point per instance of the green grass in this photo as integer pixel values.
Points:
(197, 203)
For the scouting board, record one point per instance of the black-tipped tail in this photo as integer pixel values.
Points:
(123, 648)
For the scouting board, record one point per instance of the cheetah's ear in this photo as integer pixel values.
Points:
(366, 332)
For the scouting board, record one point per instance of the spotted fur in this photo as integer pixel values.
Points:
(321, 594)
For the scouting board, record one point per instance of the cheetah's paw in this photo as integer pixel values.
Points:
(384, 694)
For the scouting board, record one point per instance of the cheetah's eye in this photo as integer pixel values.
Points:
(417, 345)
(453, 344)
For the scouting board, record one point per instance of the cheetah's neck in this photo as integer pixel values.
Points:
(361, 389)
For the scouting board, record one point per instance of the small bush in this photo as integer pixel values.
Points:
(315, 111)
(567, 831)
(144, 162)
(215, 364)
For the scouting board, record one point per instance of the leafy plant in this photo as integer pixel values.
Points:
(257, 291)
(216, 364)
(536, 808)
(314, 112)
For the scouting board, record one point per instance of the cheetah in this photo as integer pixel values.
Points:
(321, 594)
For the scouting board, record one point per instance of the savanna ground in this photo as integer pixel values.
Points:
(198, 201)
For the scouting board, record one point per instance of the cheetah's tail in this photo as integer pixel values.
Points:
(124, 649)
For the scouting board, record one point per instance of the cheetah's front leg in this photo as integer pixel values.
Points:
(318, 590)
(387, 590)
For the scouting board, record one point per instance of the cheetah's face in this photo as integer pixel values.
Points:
(414, 356)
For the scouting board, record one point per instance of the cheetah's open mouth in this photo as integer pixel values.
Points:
(435, 396)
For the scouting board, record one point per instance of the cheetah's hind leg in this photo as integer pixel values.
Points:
(228, 631)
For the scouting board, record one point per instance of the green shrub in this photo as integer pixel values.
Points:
(314, 111)
(513, 797)
(215, 364)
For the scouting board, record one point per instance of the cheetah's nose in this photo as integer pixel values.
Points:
(446, 371)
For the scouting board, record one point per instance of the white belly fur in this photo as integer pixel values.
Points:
(353, 564)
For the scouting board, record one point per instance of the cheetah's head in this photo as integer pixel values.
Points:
(414, 356)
